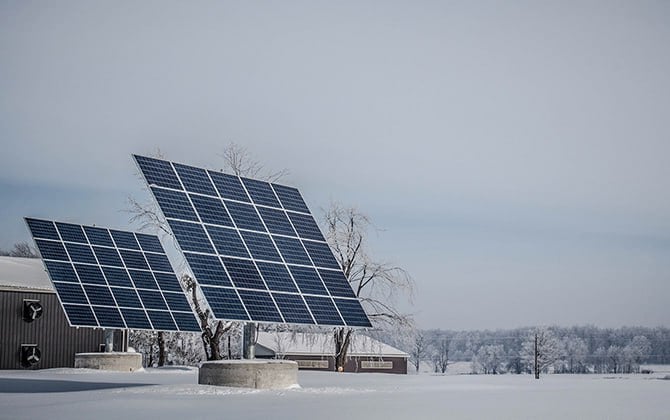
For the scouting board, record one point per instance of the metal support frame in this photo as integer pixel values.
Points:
(249, 340)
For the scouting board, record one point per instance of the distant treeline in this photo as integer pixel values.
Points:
(578, 349)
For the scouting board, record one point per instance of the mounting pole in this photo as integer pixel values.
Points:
(249, 341)
(109, 341)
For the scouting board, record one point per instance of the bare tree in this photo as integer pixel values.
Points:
(376, 284)
(236, 160)
(24, 250)
(418, 349)
(540, 350)
(440, 350)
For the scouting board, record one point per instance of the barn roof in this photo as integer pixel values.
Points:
(313, 344)
(23, 274)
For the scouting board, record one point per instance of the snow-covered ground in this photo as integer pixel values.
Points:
(173, 393)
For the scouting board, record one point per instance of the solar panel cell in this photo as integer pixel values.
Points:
(108, 317)
(207, 269)
(225, 303)
(107, 256)
(229, 186)
(191, 237)
(124, 239)
(61, 271)
(80, 253)
(126, 297)
(136, 319)
(98, 236)
(195, 179)
(211, 210)
(71, 233)
(98, 295)
(276, 221)
(152, 299)
(245, 216)
(306, 226)
(149, 243)
(177, 302)
(90, 274)
(227, 242)
(353, 313)
(158, 262)
(290, 198)
(308, 280)
(133, 259)
(80, 315)
(260, 306)
(70, 293)
(261, 192)
(277, 277)
(243, 273)
(261, 247)
(292, 251)
(323, 310)
(143, 279)
(42, 229)
(50, 250)
(174, 204)
(293, 308)
(117, 277)
(158, 172)
(336, 283)
(321, 254)
(162, 321)
(186, 321)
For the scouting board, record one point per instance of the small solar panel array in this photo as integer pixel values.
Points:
(112, 279)
(253, 247)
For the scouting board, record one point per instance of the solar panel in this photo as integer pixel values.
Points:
(253, 246)
(111, 278)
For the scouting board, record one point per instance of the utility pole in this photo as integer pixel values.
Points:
(537, 353)
(249, 341)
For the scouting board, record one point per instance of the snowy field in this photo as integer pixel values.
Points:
(173, 393)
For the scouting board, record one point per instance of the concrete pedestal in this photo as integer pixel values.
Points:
(117, 361)
(250, 373)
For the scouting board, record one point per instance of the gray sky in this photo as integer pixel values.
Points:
(514, 154)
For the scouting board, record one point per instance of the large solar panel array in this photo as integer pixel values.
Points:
(253, 246)
(111, 278)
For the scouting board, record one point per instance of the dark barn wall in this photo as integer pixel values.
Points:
(57, 341)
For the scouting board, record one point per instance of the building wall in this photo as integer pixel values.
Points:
(398, 365)
(51, 332)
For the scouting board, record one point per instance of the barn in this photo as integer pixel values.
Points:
(316, 352)
(34, 331)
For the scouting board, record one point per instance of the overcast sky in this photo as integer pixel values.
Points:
(515, 155)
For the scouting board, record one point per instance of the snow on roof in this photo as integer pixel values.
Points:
(323, 344)
(24, 274)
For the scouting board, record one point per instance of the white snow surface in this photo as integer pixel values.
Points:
(173, 393)
(24, 273)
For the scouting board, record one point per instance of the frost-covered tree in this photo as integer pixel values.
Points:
(540, 350)
(377, 284)
(575, 352)
(418, 350)
(439, 350)
(636, 351)
(489, 359)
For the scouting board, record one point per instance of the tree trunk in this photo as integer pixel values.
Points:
(537, 354)
(161, 348)
(342, 339)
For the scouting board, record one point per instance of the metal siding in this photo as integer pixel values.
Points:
(57, 341)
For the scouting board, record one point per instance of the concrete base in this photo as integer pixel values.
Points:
(250, 373)
(117, 361)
